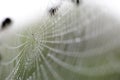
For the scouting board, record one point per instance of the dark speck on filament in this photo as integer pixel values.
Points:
(0, 57)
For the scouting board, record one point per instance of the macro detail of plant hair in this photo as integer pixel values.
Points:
(72, 43)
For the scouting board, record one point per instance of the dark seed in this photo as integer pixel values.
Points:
(52, 11)
(77, 2)
(6, 23)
